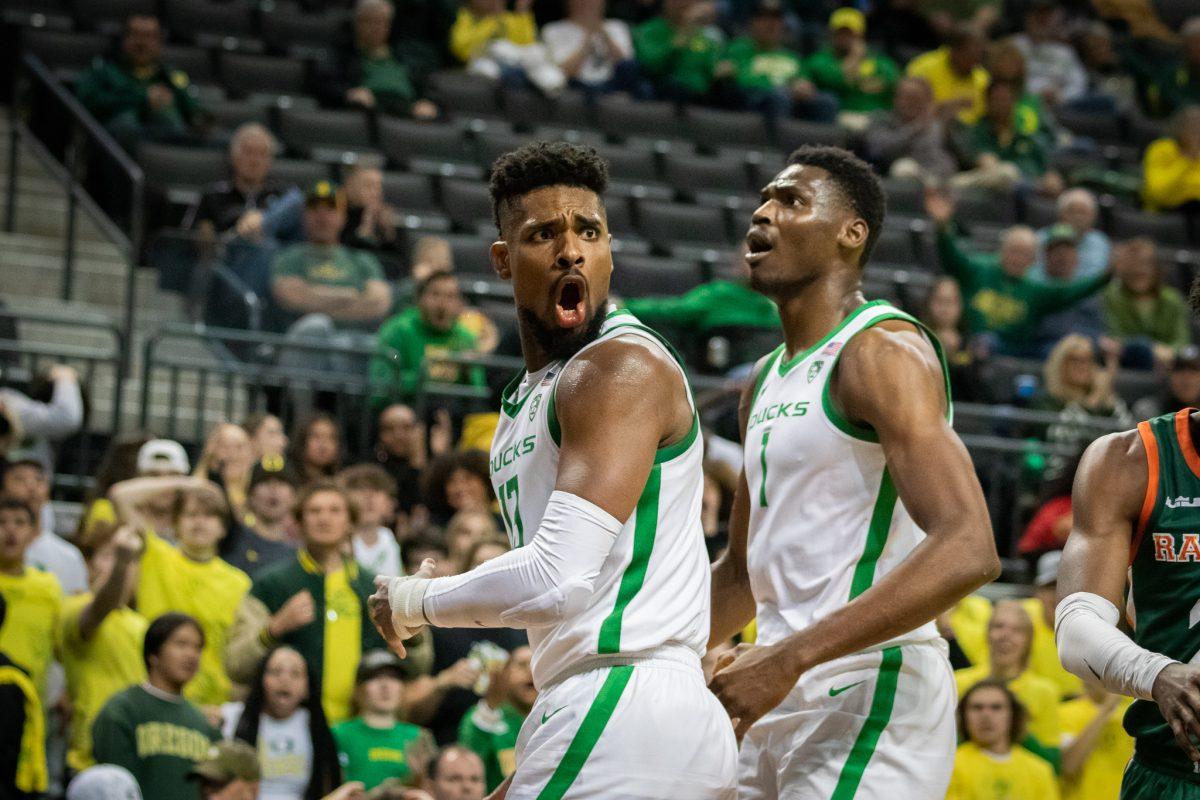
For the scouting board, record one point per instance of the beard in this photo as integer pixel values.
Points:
(780, 288)
(556, 343)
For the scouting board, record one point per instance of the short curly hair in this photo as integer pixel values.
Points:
(533, 166)
(857, 181)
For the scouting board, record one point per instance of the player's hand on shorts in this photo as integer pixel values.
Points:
(1177, 692)
(750, 681)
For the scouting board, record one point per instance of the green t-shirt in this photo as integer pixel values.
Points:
(715, 304)
(388, 79)
(1021, 149)
(156, 739)
(372, 755)
(492, 735)
(404, 343)
(690, 65)
(870, 88)
(332, 265)
(110, 88)
(1164, 318)
(763, 69)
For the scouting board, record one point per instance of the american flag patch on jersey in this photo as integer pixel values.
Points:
(831, 349)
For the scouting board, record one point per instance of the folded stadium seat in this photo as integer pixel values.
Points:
(291, 32)
(526, 109)
(1104, 128)
(683, 230)
(708, 179)
(905, 197)
(300, 173)
(898, 246)
(463, 94)
(180, 173)
(559, 133)
(333, 136)
(432, 148)
(466, 203)
(1001, 373)
(633, 172)
(244, 74)
(646, 275)
(50, 15)
(1143, 131)
(208, 93)
(764, 167)
(410, 192)
(195, 61)
(1133, 385)
(792, 133)
(621, 118)
(1037, 211)
(229, 114)
(573, 109)
(986, 213)
(472, 255)
(492, 143)
(1165, 227)
(206, 22)
(108, 16)
(714, 130)
(66, 53)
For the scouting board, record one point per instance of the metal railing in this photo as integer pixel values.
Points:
(49, 122)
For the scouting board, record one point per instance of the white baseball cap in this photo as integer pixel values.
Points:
(104, 782)
(162, 456)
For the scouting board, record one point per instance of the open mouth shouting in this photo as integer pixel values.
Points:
(570, 310)
(758, 244)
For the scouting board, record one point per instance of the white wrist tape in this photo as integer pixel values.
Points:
(542, 583)
(405, 595)
(1090, 646)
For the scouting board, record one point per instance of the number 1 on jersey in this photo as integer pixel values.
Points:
(511, 490)
(762, 458)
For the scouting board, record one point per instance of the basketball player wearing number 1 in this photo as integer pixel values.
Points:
(857, 520)
(597, 467)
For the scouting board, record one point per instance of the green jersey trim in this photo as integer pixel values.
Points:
(672, 451)
(877, 719)
(877, 535)
(645, 528)
(769, 361)
(868, 434)
(786, 366)
(585, 739)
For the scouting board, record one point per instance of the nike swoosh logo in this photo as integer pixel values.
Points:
(1097, 674)
(835, 692)
(546, 717)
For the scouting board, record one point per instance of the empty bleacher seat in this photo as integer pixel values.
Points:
(792, 133)
(299, 172)
(229, 114)
(1038, 211)
(180, 173)
(108, 16)
(464, 94)
(1166, 227)
(1102, 127)
(295, 33)
(472, 254)
(897, 246)
(621, 118)
(642, 276)
(466, 203)
(905, 197)
(713, 129)
(526, 109)
(245, 74)
(65, 52)
(325, 134)
(195, 61)
(670, 226)
(429, 147)
(715, 175)
(492, 144)
(191, 20)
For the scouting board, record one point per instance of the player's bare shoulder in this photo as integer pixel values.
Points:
(884, 365)
(1113, 474)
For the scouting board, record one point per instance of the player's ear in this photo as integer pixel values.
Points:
(499, 256)
(854, 234)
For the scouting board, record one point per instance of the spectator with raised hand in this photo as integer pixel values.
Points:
(226, 460)
(283, 718)
(1111, 88)
(1140, 308)
(317, 447)
(996, 142)
(263, 534)
(27, 480)
(39, 425)
(593, 51)
(368, 72)
(34, 597)
(151, 729)
(1171, 167)
(1055, 72)
(490, 728)
(1074, 385)
(373, 492)
(157, 458)
(401, 449)
(237, 204)
(861, 79)
(456, 773)
(119, 463)
(23, 769)
(267, 436)
(100, 633)
(137, 97)
(315, 603)
(497, 43)
(1095, 746)
(1079, 209)
(679, 50)
(1182, 388)
(955, 72)
(912, 140)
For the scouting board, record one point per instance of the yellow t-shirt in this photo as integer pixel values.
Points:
(343, 646)
(97, 668)
(1169, 178)
(1043, 657)
(969, 621)
(1038, 695)
(934, 67)
(1100, 778)
(35, 601)
(1018, 775)
(210, 591)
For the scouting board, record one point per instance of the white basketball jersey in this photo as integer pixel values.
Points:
(825, 522)
(653, 590)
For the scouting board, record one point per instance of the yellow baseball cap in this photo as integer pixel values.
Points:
(850, 18)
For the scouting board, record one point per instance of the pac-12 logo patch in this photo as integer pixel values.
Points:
(815, 370)
(533, 407)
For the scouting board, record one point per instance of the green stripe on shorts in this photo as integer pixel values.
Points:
(584, 741)
(872, 729)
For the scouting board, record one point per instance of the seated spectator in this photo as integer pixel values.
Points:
(1010, 641)
(28, 481)
(455, 482)
(956, 74)
(267, 437)
(430, 254)
(455, 773)
(1095, 747)
(315, 603)
(769, 77)
(119, 463)
(1085, 317)
(263, 534)
(23, 769)
(151, 729)
(424, 543)
(1006, 64)
(1182, 389)
(373, 492)
(991, 722)
(1140, 308)
(401, 450)
(912, 140)
(501, 44)
(490, 728)
(1171, 165)
(283, 718)
(861, 79)
(943, 313)
(237, 204)
(1051, 523)
(40, 425)
(1110, 87)
(410, 343)
(1002, 302)
(329, 291)
(594, 53)
(465, 530)
(230, 772)
(226, 460)
(190, 578)
(317, 448)
(368, 74)
(1078, 208)
(377, 744)
(995, 141)
(137, 97)
(371, 224)
(1055, 73)
(1178, 85)
(34, 597)
(679, 49)
(100, 632)
(1072, 381)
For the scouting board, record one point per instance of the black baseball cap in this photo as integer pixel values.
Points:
(375, 662)
(274, 468)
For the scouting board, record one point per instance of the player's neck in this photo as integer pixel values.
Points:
(816, 310)
(535, 355)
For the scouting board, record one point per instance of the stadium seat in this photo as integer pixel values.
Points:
(621, 118)
(295, 33)
(712, 175)
(713, 129)
(765, 167)
(464, 94)
(897, 246)
(245, 74)
(526, 109)
(180, 173)
(1038, 211)
(65, 53)
(1133, 385)
(644, 276)
(195, 61)
(672, 225)
(466, 203)
(191, 20)
(229, 114)
(325, 135)
(1166, 228)
(492, 144)
(982, 208)
(557, 133)
(430, 147)
(633, 172)
(1103, 128)
(1143, 131)
(792, 133)
(472, 254)
(108, 16)
(572, 109)
(409, 191)
(905, 197)
(298, 172)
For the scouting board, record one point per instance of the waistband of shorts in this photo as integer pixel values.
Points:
(676, 657)
(1177, 767)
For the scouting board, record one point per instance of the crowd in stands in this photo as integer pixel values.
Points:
(223, 598)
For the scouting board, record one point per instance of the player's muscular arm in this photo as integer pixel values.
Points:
(732, 599)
